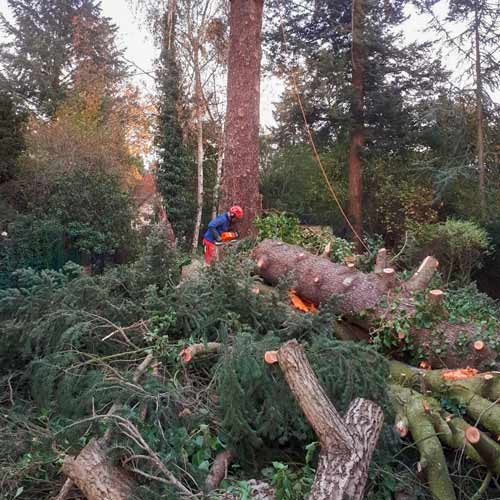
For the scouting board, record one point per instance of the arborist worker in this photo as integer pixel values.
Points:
(218, 231)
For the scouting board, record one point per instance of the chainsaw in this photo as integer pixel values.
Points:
(228, 237)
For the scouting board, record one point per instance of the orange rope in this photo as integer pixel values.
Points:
(313, 145)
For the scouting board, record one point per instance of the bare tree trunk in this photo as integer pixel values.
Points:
(355, 190)
(200, 151)
(479, 121)
(347, 443)
(240, 183)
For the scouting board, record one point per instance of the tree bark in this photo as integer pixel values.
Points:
(199, 141)
(219, 470)
(366, 300)
(218, 176)
(355, 190)
(479, 119)
(240, 182)
(432, 460)
(346, 444)
(95, 476)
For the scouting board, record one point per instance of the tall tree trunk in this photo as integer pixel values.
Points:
(200, 152)
(240, 183)
(479, 120)
(355, 192)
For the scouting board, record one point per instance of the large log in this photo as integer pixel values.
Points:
(347, 443)
(366, 300)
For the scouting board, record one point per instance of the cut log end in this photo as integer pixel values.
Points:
(262, 263)
(473, 435)
(186, 356)
(271, 357)
(436, 296)
(478, 345)
(402, 428)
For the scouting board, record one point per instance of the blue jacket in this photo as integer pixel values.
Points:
(216, 227)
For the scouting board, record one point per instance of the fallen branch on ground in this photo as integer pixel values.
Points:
(346, 444)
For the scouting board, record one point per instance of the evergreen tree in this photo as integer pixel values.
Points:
(49, 41)
(315, 43)
(11, 137)
(478, 46)
(175, 168)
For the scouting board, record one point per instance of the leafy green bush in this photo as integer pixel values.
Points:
(279, 226)
(459, 246)
(287, 228)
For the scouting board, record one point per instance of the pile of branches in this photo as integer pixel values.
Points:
(138, 384)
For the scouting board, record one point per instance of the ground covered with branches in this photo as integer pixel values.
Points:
(71, 355)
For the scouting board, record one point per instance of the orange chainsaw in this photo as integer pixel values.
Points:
(229, 236)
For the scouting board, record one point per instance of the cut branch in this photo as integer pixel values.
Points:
(195, 350)
(219, 469)
(421, 279)
(346, 444)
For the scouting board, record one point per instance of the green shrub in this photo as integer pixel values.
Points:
(285, 227)
(459, 246)
(279, 226)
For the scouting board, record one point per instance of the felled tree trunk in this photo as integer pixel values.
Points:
(96, 477)
(347, 443)
(368, 300)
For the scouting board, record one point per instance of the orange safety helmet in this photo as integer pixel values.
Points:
(236, 211)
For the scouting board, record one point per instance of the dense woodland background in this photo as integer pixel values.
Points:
(88, 289)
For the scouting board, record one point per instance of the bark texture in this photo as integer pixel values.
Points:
(347, 443)
(432, 461)
(96, 477)
(219, 469)
(355, 192)
(240, 182)
(379, 296)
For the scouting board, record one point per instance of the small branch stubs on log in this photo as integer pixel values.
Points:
(381, 262)
(421, 279)
(346, 444)
(326, 251)
(389, 277)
